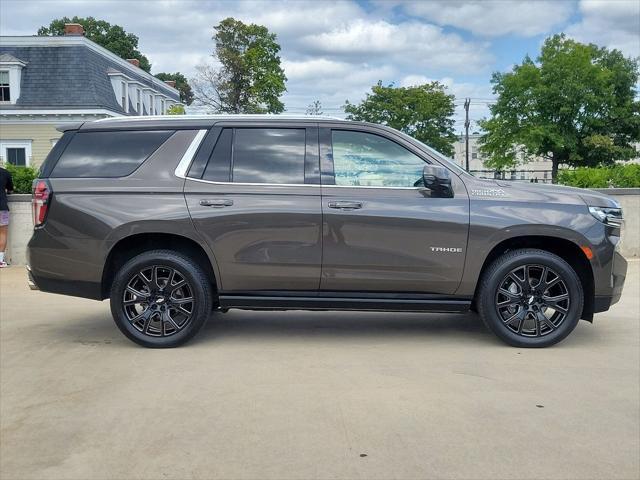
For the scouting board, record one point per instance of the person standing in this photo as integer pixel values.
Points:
(6, 186)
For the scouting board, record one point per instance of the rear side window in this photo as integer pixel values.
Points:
(108, 154)
(218, 166)
(268, 155)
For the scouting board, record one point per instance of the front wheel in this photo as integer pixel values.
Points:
(530, 298)
(160, 299)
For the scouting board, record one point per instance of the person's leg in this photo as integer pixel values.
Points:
(4, 227)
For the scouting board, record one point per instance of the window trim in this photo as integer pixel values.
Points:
(26, 144)
(326, 156)
(7, 85)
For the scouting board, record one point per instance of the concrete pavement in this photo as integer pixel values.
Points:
(313, 396)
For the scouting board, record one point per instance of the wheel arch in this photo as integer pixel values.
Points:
(130, 246)
(565, 249)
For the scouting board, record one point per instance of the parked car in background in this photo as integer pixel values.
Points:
(172, 217)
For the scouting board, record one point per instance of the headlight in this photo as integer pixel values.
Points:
(610, 216)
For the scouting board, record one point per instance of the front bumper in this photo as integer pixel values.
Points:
(618, 275)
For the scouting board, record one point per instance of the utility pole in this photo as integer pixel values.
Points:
(467, 102)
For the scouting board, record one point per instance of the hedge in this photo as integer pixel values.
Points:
(621, 176)
(22, 177)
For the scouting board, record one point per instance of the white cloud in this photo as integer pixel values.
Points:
(615, 24)
(492, 18)
(413, 43)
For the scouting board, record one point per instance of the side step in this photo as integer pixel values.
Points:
(263, 302)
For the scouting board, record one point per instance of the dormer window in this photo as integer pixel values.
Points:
(124, 96)
(5, 90)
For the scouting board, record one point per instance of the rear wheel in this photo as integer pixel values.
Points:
(160, 299)
(530, 298)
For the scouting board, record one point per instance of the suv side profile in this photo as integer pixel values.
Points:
(172, 217)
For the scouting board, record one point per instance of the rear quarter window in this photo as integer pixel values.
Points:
(108, 154)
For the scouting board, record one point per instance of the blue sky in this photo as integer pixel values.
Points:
(334, 51)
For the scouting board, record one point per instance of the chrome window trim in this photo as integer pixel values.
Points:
(297, 185)
(185, 162)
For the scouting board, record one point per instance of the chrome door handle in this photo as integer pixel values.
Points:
(345, 205)
(216, 202)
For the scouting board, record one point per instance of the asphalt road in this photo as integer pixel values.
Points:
(312, 396)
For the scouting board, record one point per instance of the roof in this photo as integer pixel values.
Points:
(195, 121)
(56, 66)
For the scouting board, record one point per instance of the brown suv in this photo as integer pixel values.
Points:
(173, 217)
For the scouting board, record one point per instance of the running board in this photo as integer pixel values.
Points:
(261, 302)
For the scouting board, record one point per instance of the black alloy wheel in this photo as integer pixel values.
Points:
(530, 298)
(161, 298)
(158, 301)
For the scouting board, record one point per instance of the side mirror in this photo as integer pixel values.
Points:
(437, 179)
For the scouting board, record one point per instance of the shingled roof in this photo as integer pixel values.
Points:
(72, 76)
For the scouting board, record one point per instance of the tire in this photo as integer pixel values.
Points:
(161, 299)
(530, 298)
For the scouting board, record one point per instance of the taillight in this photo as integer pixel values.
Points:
(40, 201)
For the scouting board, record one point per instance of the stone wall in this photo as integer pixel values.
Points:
(21, 224)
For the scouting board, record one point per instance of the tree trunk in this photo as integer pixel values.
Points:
(555, 162)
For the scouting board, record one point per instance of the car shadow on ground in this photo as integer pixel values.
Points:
(465, 328)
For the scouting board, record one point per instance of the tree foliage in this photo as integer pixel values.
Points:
(182, 84)
(111, 37)
(315, 108)
(575, 106)
(424, 112)
(249, 78)
(176, 109)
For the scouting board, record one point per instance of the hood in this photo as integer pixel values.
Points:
(590, 197)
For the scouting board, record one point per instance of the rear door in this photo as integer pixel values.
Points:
(383, 232)
(253, 194)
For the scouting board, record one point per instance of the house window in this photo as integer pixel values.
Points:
(474, 156)
(16, 152)
(138, 102)
(4, 87)
(124, 96)
(162, 111)
(152, 109)
(17, 156)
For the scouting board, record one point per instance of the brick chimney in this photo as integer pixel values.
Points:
(171, 83)
(134, 61)
(73, 29)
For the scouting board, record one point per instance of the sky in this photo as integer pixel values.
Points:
(334, 51)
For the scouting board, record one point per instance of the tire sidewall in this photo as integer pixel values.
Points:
(189, 270)
(502, 268)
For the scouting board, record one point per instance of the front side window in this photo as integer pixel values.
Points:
(5, 94)
(268, 155)
(108, 154)
(368, 160)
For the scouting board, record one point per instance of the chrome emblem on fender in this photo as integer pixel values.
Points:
(488, 192)
(447, 249)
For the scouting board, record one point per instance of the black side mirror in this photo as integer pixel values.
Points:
(437, 179)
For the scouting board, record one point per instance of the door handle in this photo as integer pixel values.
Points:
(216, 202)
(341, 205)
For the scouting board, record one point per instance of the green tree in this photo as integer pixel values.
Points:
(250, 78)
(186, 94)
(315, 108)
(575, 106)
(424, 112)
(111, 37)
(176, 109)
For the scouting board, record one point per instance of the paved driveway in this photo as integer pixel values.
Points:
(313, 395)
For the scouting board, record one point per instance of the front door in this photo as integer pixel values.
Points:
(254, 196)
(381, 232)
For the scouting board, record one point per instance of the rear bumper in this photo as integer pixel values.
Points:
(30, 280)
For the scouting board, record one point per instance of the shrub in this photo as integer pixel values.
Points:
(621, 176)
(22, 177)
